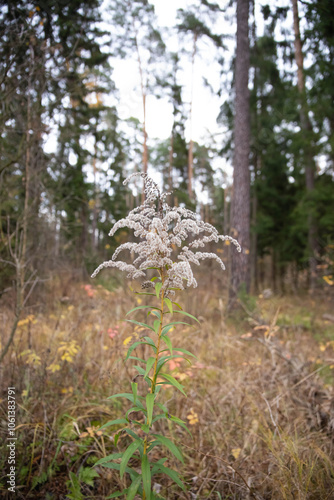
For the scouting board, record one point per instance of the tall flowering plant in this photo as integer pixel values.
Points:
(169, 239)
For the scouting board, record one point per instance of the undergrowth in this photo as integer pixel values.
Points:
(259, 405)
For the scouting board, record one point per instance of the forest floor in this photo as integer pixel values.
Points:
(260, 399)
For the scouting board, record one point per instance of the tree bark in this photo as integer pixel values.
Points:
(191, 143)
(240, 223)
(309, 162)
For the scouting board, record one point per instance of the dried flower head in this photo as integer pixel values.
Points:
(163, 231)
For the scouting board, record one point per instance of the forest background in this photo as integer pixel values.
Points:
(263, 175)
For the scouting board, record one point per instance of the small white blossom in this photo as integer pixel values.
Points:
(162, 229)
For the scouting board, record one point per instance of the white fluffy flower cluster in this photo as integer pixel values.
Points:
(162, 231)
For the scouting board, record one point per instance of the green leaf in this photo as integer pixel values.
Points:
(115, 466)
(132, 490)
(172, 474)
(113, 456)
(134, 408)
(151, 343)
(134, 386)
(184, 351)
(174, 382)
(149, 364)
(138, 323)
(166, 328)
(171, 446)
(162, 407)
(128, 454)
(156, 313)
(149, 406)
(131, 348)
(156, 325)
(189, 315)
(114, 422)
(117, 494)
(142, 307)
(157, 289)
(140, 370)
(152, 445)
(137, 359)
(168, 343)
(181, 423)
(154, 278)
(146, 472)
(169, 305)
(178, 305)
(128, 396)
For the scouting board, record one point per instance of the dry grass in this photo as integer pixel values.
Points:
(260, 400)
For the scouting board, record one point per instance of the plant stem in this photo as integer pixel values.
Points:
(159, 336)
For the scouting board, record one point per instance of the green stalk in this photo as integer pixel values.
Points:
(154, 378)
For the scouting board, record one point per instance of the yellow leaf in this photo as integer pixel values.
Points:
(227, 242)
(105, 348)
(322, 347)
(328, 280)
(139, 300)
(107, 246)
(54, 367)
(70, 308)
(127, 340)
(236, 452)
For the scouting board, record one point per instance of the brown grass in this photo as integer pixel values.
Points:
(261, 389)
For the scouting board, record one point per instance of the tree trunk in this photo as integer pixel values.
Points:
(306, 128)
(240, 223)
(191, 143)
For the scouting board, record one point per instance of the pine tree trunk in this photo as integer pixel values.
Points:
(306, 128)
(240, 223)
(191, 143)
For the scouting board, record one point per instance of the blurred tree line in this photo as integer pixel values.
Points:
(58, 203)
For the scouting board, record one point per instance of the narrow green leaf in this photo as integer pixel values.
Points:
(184, 351)
(139, 323)
(189, 315)
(128, 454)
(152, 445)
(144, 293)
(174, 382)
(169, 305)
(173, 475)
(168, 343)
(126, 395)
(131, 348)
(136, 409)
(156, 313)
(137, 359)
(142, 307)
(140, 370)
(157, 289)
(132, 490)
(162, 407)
(149, 364)
(181, 423)
(129, 470)
(178, 305)
(134, 386)
(149, 406)
(117, 494)
(146, 472)
(154, 278)
(114, 422)
(166, 328)
(170, 445)
(113, 456)
(156, 325)
(151, 343)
